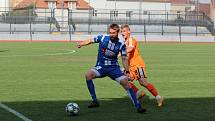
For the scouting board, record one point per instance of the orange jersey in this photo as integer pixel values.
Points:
(134, 57)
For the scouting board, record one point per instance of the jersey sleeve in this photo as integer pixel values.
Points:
(98, 38)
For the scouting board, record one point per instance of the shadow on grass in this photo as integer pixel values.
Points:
(120, 109)
(1, 51)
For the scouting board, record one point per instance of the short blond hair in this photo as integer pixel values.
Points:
(125, 26)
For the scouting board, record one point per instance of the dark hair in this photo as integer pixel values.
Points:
(125, 26)
(115, 27)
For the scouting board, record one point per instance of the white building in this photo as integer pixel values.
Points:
(130, 4)
(4, 5)
(120, 9)
(143, 6)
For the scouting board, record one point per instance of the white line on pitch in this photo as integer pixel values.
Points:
(45, 54)
(14, 112)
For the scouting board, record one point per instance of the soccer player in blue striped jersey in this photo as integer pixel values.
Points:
(107, 65)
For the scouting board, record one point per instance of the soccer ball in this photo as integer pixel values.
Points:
(72, 109)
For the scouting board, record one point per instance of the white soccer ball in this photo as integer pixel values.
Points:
(72, 109)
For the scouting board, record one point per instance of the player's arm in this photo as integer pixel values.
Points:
(125, 63)
(124, 59)
(96, 39)
(131, 46)
(84, 43)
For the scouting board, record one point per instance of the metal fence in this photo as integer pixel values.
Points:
(146, 19)
(96, 21)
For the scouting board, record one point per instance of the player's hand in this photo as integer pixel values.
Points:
(130, 79)
(127, 73)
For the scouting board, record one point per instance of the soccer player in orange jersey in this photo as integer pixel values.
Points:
(137, 65)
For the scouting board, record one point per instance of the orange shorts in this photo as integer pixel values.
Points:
(137, 73)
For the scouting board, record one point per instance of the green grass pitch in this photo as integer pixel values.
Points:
(39, 79)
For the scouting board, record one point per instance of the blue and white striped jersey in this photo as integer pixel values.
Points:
(108, 50)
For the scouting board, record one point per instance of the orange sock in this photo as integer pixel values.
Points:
(133, 87)
(152, 89)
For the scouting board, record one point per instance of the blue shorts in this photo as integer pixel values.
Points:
(113, 72)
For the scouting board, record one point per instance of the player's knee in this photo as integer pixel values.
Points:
(89, 75)
(125, 84)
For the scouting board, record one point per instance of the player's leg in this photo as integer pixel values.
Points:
(131, 94)
(117, 75)
(90, 75)
(150, 87)
(140, 93)
(153, 90)
(131, 84)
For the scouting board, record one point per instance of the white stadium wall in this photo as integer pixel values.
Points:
(4, 5)
(104, 4)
